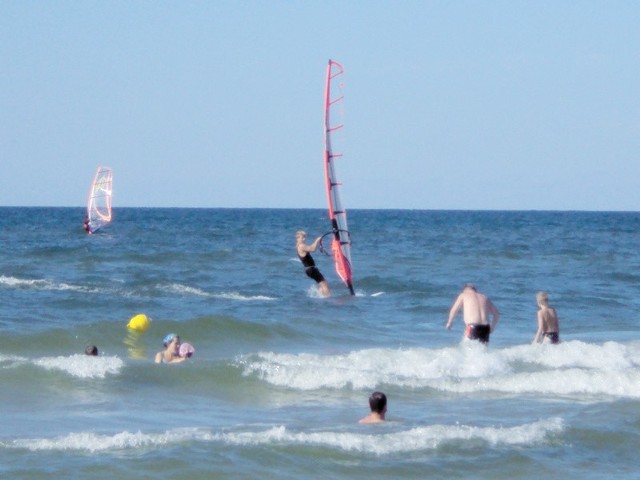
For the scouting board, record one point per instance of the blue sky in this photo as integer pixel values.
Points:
(449, 104)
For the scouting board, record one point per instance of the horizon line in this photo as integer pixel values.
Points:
(348, 209)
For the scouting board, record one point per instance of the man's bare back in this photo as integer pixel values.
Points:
(476, 308)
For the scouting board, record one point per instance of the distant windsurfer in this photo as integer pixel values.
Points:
(309, 264)
(476, 309)
(87, 225)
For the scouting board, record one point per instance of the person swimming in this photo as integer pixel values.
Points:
(378, 406)
(91, 350)
(170, 354)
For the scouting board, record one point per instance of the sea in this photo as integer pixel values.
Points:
(280, 376)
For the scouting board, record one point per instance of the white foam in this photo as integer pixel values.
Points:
(571, 368)
(611, 356)
(42, 284)
(92, 442)
(339, 289)
(184, 290)
(11, 360)
(187, 290)
(414, 439)
(377, 441)
(240, 297)
(82, 366)
(314, 292)
(364, 369)
(568, 382)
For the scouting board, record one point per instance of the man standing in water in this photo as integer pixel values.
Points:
(309, 264)
(476, 309)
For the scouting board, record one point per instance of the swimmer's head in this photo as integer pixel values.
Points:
(378, 402)
(91, 350)
(301, 234)
(169, 338)
(542, 298)
(471, 286)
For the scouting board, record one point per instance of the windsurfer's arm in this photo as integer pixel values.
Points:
(302, 248)
(315, 244)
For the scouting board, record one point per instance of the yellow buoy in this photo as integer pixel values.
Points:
(139, 323)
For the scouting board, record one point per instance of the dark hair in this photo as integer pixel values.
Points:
(91, 350)
(377, 402)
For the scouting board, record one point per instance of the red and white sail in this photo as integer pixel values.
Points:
(333, 153)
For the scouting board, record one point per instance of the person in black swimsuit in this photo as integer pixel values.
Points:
(309, 264)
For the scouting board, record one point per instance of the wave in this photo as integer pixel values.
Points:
(571, 368)
(173, 288)
(43, 284)
(377, 441)
(187, 290)
(412, 440)
(79, 366)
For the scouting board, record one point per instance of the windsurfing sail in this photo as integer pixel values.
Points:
(333, 151)
(99, 202)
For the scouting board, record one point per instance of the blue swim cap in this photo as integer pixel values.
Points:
(167, 340)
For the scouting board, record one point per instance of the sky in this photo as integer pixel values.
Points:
(471, 105)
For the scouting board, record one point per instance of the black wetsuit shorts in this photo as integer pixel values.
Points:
(310, 268)
(313, 272)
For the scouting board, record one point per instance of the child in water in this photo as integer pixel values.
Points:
(548, 330)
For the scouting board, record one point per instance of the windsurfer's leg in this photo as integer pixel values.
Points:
(324, 288)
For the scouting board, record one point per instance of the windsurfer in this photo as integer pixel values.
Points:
(309, 264)
(87, 225)
(476, 309)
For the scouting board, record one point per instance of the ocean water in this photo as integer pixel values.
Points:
(280, 376)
